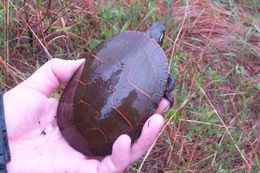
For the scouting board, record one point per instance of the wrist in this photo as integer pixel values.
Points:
(5, 156)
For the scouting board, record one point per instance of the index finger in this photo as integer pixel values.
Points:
(51, 75)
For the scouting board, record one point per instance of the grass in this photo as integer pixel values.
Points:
(213, 47)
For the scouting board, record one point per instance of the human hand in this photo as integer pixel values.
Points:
(35, 141)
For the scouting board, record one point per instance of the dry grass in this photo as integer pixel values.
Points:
(214, 51)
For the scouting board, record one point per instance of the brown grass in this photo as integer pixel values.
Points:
(212, 42)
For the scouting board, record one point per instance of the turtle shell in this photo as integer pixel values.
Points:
(114, 92)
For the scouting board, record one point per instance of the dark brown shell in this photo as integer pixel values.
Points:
(114, 93)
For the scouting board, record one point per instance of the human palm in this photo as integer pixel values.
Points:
(35, 141)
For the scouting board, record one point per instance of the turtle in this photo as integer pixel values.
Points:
(115, 91)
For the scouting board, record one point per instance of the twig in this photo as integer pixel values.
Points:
(165, 125)
(223, 123)
(44, 48)
(6, 30)
(178, 35)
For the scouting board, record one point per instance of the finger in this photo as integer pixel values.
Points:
(122, 155)
(120, 158)
(149, 133)
(49, 77)
(163, 106)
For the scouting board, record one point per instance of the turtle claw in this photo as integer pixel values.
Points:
(169, 88)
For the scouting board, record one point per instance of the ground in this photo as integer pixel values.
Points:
(213, 49)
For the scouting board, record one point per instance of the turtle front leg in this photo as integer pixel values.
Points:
(169, 88)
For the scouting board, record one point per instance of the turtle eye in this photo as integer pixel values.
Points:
(161, 38)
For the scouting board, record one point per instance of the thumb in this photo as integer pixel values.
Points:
(49, 77)
(120, 158)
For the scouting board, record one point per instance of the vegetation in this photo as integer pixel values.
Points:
(213, 47)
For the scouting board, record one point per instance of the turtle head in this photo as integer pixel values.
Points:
(156, 31)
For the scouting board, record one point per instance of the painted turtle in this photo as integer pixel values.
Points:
(116, 90)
